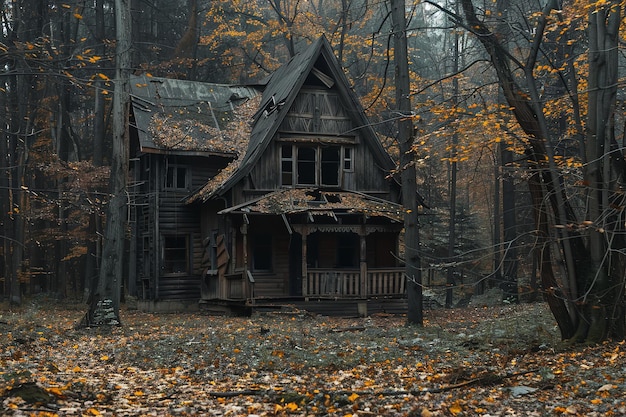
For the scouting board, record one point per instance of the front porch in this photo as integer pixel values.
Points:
(327, 283)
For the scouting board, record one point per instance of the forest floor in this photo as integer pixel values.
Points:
(489, 361)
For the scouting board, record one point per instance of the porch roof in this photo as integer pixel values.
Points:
(319, 202)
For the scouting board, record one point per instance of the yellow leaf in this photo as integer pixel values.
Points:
(353, 397)
(78, 16)
(76, 369)
(104, 358)
(93, 412)
(138, 393)
(55, 391)
(455, 409)
(103, 76)
(596, 401)
(291, 406)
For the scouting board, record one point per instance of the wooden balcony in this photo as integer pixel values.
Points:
(347, 283)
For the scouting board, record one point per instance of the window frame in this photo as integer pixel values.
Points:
(173, 247)
(176, 170)
(347, 157)
(291, 169)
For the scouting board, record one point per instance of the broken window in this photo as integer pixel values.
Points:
(307, 158)
(314, 165)
(330, 165)
(175, 254)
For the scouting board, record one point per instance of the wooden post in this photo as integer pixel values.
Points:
(244, 233)
(305, 280)
(363, 262)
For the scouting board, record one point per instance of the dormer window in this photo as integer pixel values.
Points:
(320, 165)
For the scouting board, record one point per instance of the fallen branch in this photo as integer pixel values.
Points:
(490, 379)
(348, 329)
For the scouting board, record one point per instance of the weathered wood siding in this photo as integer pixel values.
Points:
(317, 117)
(159, 213)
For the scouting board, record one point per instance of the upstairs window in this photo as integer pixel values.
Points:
(286, 164)
(347, 160)
(330, 165)
(307, 163)
(314, 165)
(176, 177)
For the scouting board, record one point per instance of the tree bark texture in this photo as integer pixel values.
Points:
(105, 300)
(407, 165)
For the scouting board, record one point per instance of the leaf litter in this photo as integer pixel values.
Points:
(475, 361)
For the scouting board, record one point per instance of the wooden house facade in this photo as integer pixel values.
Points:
(294, 205)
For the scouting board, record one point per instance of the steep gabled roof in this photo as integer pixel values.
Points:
(185, 117)
(278, 96)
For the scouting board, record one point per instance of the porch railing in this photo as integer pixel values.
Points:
(347, 283)
(333, 283)
(386, 282)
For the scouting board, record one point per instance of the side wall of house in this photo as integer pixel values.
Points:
(169, 237)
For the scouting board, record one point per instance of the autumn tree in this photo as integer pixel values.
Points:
(586, 295)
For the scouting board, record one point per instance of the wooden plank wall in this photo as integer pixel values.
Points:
(174, 218)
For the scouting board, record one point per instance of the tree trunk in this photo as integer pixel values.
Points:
(104, 307)
(603, 284)
(407, 166)
(453, 183)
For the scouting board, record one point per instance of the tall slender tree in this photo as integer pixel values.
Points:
(104, 306)
(407, 164)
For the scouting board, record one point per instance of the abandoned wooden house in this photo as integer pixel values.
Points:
(274, 195)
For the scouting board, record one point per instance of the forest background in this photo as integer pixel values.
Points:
(474, 68)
